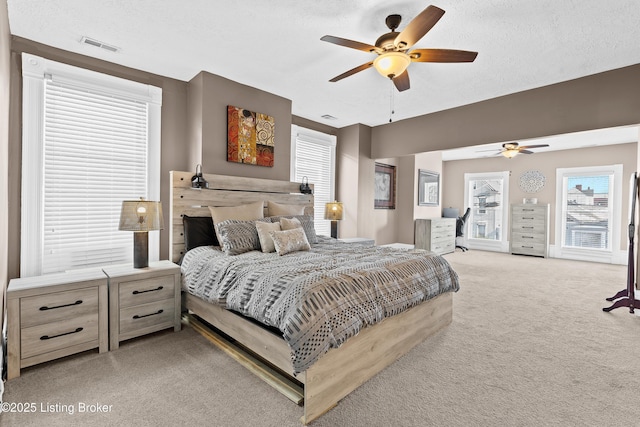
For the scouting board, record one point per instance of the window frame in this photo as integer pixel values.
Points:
(589, 254)
(34, 72)
(320, 138)
(501, 245)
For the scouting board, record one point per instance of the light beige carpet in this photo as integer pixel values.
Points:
(529, 346)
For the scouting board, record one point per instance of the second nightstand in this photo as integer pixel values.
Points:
(142, 300)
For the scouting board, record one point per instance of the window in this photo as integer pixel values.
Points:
(587, 226)
(313, 155)
(90, 141)
(487, 196)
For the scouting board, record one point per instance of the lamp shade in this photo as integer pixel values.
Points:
(141, 215)
(392, 64)
(333, 211)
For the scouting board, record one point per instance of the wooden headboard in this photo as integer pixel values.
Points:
(224, 191)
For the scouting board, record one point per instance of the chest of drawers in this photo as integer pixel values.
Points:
(142, 300)
(530, 230)
(54, 316)
(436, 235)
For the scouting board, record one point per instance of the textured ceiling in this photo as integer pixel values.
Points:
(275, 46)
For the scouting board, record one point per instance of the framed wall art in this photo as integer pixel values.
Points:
(385, 187)
(250, 137)
(428, 188)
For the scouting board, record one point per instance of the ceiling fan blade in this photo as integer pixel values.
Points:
(534, 146)
(418, 27)
(442, 55)
(525, 151)
(352, 71)
(350, 43)
(402, 81)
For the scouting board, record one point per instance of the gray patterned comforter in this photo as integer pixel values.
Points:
(320, 298)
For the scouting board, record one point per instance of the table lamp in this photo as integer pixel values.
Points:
(333, 211)
(141, 216)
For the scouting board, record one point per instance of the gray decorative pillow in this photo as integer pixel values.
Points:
(237, 237)
(288, 241)
(307, 225)
(247, 212)
(266, 242)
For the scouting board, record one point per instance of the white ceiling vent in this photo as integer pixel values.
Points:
(96, 43)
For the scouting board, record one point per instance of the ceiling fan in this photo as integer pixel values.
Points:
(512, 149)
(393, 48)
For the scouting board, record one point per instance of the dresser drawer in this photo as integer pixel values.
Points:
(528, 210)
(143, 291)
(147, 315)
(45, 338)
(52, 307)
(528, 248)
(441, 238)
(528, 229)
(536, 220)
(527, 238)
(443, 247)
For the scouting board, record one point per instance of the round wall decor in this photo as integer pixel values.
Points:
(532, 181)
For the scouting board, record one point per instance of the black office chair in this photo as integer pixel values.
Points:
(460, 222)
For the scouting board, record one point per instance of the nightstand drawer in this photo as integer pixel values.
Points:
(53, 307)
(147, 315)
(53, 336)
(144, 291)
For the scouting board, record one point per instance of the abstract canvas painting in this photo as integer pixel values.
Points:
(250, 137)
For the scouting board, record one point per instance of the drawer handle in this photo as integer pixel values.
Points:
(159, 288)
(527, 237)
(43, 308)
(528, 247)
(527, 227)
(47, 337)
(527, 217)
(147, 315)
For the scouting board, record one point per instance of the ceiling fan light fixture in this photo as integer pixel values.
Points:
(392, 64)
(510, 153)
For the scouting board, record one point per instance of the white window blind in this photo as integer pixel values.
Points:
(94, 143)
(95, 156)
(313, 156)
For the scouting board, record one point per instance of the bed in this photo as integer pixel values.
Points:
(331, 351)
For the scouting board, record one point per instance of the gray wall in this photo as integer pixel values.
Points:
(602, 100)
(547, 163)
(194, 131)
(208, 125)
(174, 152)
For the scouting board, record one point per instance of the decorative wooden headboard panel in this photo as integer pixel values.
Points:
(224, 191)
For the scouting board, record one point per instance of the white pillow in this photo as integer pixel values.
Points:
(290, 241)
(290, 223)
(247, 212)
(278, 209)
(266, 241)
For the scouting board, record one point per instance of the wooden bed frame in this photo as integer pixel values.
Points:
(338, 372)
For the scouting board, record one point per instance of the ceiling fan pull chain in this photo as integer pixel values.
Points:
(391, 103)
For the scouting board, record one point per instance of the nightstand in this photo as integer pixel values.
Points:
(55, 315)
(142, 300)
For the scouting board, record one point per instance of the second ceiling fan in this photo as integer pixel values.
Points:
(393, 48)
